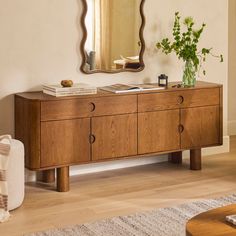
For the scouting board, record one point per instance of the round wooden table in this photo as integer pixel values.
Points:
(212, 223)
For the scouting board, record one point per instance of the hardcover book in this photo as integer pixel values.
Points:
(125, 88)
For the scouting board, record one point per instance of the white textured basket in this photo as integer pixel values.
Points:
(15, 175)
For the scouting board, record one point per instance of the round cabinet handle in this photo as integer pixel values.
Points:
(92, 138)
(181, 128)
(180, 99)
(93, 107)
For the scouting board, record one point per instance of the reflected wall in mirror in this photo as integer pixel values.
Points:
(113, 36)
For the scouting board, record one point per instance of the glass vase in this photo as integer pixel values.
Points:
(189, 74)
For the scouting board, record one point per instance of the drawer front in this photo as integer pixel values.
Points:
(79, 108)
(178, 99)
(66, 109)
(203, 97)
(115, 105)
(158, 101)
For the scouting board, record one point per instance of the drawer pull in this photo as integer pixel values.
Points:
(180, 99)
(92, 138)
(181, 128)
(93, 107)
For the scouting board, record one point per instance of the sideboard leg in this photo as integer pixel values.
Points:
(63, 184)
(175, 157)
(46, 176)
(195, 159)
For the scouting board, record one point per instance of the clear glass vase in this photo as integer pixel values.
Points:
(189, 74)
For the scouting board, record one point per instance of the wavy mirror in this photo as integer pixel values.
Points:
(112, 36)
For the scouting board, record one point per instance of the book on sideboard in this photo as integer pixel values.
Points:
(77, 89)
(126, 88)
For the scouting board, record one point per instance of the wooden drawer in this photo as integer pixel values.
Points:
(78, 108)
(203, 97)
(178, 99)
(115, 105)
(66, 109)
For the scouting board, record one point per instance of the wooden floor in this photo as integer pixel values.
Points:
(121, 192)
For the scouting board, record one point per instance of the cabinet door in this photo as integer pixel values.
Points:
(114, 136)
(201, 126)
(65, 142)
(158, 131)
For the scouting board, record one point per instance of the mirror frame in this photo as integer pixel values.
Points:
(85, 34)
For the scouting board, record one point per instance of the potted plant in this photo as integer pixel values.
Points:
(185, 46)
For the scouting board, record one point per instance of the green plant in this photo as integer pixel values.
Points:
(185, 43)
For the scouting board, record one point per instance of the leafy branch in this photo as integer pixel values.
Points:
(185, 44)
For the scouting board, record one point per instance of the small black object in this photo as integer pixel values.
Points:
(177, 86)
(163, 80)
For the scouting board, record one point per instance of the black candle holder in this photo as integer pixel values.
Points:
(163, 80)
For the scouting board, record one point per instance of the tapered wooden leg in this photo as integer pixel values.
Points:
(195, 159)
(175, 157)
(46, 176)
(63, 184)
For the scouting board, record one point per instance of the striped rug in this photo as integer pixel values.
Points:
(169, 221)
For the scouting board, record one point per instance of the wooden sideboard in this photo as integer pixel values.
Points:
(60, 132)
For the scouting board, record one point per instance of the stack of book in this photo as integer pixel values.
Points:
(77, 89)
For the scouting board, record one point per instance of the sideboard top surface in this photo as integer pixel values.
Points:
(39, 95)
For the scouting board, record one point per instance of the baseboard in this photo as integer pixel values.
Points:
(232, 127)
(104, 166)
(113, 165)
(214, 150)
(218, 149)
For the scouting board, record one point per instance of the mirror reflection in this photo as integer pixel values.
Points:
(113, 41)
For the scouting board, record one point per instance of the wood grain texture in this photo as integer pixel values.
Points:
(115, 136)
(27, 129)
(179, 99)
(106, 126)
(78, 108)
(65, 142)
(115, 105)
(201, 127)
(195, 159)
(201, 97)
(158, 131)
(102, 195)
(65, 109)
(63, 184)
(158, 101)
(40, 96)
(212, 223)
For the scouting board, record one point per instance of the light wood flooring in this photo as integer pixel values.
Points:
(122, 192)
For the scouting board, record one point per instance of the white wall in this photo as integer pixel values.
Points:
(232, 67)
(40, 43)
